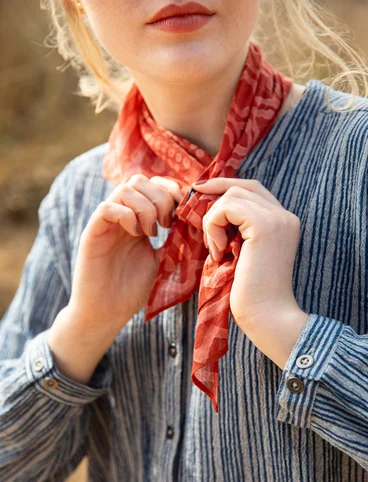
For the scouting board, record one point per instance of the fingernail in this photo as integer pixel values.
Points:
(139, 230)
(167, 220)
(197, 183)
(153, 229)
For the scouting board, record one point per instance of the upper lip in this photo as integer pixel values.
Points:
(186, 9)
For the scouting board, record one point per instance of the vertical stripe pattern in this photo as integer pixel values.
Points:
(141, 418)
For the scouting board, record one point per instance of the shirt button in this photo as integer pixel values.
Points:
(304, 361)
(38, 364)
(170, 432)
(294, 384)
(172, 349)
(50, 383)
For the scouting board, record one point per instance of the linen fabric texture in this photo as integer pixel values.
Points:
(138, 144)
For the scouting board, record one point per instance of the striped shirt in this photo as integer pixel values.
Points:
(141, 418)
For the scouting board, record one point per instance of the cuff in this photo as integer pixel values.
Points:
(306, 364)
(42, 371)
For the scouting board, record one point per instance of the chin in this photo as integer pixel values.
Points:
(182, 77)
(181, 70)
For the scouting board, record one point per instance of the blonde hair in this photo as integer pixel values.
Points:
(306, 47)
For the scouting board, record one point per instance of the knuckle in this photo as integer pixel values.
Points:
(167, 186)
(234, 190)
(103, 205)
(117, 192)
(126, 188)
(156, 178)
(294, 220)
(162, 195)
(137, 179)
(294, 223)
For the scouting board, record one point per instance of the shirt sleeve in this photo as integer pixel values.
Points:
(324, 385)
(44, 415)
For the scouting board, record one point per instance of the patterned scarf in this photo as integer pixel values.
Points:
(137, 144)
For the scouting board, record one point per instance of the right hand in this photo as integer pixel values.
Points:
(116, 264)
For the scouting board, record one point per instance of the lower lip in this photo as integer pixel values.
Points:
(182, 23)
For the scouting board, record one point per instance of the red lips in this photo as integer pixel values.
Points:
(176, 10)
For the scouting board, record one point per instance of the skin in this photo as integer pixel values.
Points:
(185, 80)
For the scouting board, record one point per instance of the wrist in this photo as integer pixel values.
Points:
(88, 329)
(294, 323)
(276, 331)
(76, 350)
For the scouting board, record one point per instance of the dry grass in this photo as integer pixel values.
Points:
(43, 125)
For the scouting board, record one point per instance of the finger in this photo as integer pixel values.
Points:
(205, 239)
(215, 253)
(221, 185)
(144, 209)
(218, 234)
(237, 212)
(115, 195)
(215, 235)
(170, 186)
(108, 212)
(159, 197)
(234, 212)
(241, 193)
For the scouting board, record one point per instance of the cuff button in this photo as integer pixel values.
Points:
(304, 361)
(294, 384)
(50, 383)
(38, 364)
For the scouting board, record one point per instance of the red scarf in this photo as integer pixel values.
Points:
(137, 144)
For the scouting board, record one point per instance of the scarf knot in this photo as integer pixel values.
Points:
(137, 144)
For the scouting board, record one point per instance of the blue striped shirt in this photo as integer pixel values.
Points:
(141, 418)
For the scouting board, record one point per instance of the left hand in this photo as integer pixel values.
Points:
(261, 299)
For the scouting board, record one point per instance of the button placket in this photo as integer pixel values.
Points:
(172, 349)
(172, 327)
(170, 432)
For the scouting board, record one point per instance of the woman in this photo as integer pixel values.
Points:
(174, 330)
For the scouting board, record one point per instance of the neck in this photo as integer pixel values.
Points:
(196, 112)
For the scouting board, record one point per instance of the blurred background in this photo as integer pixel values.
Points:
(44, 125)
